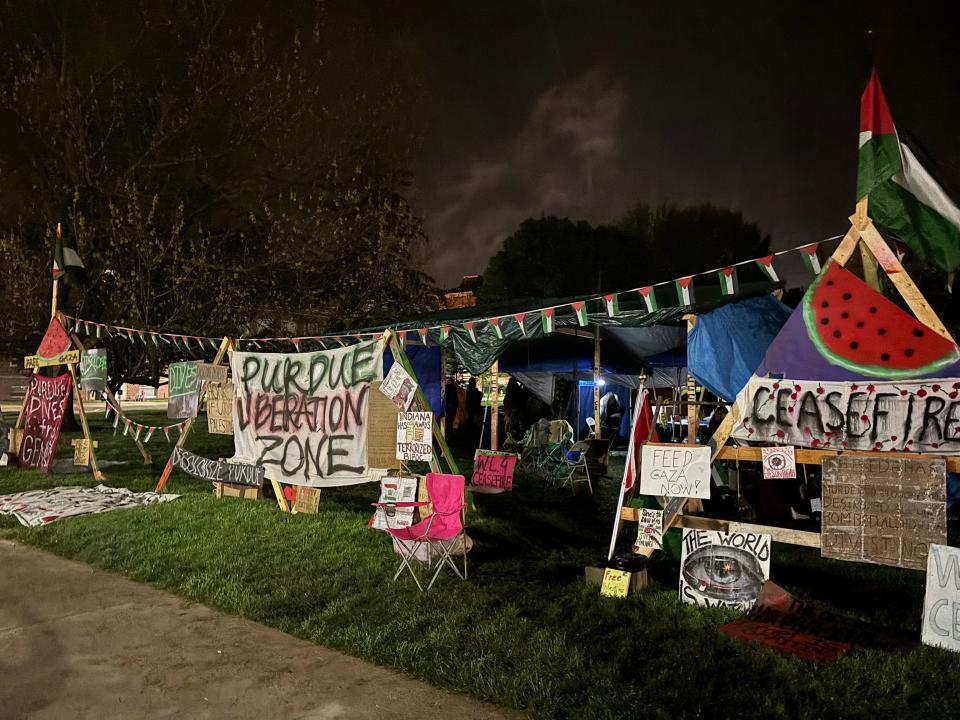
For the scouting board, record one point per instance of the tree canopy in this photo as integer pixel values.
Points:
(218, 168)
(556, 257)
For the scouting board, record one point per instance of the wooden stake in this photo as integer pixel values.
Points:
(56, 280)
(870, 273)
(97, 475)
(597, 430)
(495, 405)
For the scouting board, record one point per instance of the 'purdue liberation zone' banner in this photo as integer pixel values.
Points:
(303, 416)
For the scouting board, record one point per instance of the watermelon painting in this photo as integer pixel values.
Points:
(857, 328)
(55, 341)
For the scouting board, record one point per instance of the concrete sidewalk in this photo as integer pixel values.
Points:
(81, 643)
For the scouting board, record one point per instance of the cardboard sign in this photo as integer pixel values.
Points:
(394, 490)
(93, 370)
(787, 641)
(303, 416)
(220, 409)
(723, 569)
(493, 469)
(67, 358)
(216, 470)
(46, 403)
(208, 372)
(616, 583)
(415, 436)
(184, 390)
(675, 470)
(81, 451)
(399, 386)
(883, 510)
(941, 602)
(308, 500)
(650, 530)
(779, 462)
(382, 431)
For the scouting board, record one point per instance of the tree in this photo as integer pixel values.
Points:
(554, 257)
(220, 169)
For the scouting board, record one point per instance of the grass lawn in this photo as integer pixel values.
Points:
(524, 631)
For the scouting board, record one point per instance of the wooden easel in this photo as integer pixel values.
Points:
(876, 254)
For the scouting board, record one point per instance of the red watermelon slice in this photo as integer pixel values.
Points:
(55, 341)
(855, 327)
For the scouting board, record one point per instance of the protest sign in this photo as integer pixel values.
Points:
(675, 470)
(616, 583)
(81, 451)
(394, 490)
(878, 415)
(779, 463)
(883, 510)
(93, 370)
(415, 436)
(399, 386)
(307, 501)
(650, 530)
(208, 372)
(787, 641)
(493, 469)
(216, 470)
(184, 390)
(303, 416)
(941, 602)
(46, 403)
(382, 431)
(220, 409)
(723, 569)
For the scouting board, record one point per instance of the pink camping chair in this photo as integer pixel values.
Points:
(438, 534)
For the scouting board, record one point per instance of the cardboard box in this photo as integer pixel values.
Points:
(244, 492)
(594, 576)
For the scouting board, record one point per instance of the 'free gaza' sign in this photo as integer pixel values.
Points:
(673, 470)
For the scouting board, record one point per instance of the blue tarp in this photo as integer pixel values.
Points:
(577, 415)
(426, 365)
(727, 345)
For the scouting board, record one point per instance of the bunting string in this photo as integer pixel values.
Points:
(138, 428)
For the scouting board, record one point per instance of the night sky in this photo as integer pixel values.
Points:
(580, 109)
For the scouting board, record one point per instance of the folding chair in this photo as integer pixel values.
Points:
(438, 534)
(566, 475)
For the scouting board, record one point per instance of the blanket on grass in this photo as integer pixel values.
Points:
(40, 507)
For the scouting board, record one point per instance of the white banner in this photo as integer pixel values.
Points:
(303, 416)
(901, 416)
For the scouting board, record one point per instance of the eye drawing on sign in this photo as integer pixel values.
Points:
(724, 573)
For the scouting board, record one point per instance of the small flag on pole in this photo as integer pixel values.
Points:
(520, 318)
(468, 326)
(495, 324)
(580, 310)
(766, 264)
(649, 298)
(728, 279)
(613, 304)
(64, 257)
(684, 290)
(808, 254)
(546, 320)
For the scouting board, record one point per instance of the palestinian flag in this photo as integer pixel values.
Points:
(64, 257)
(728, 280)
(495, 324)
(149, 434)
(612, 304)
(684, 290)
(649, 298)
(521, 318)
(468, 326)
(546, 320)
(444, 333)
(422, 332)
(904, 199)
(808, 254)
(580, 310)
(766, 264)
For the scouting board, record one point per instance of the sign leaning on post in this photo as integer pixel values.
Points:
(415, 436)
(184, 390)
(93, 370)
(675, 470)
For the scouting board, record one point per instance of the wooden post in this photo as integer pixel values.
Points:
(870, 272)
(693, 415)
(495, 405)
(86, 428)
(596, 383)
(56, 279)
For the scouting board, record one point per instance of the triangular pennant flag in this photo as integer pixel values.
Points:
(684, 290)
(156, 342)
(808, 253)
(649, 298)
(900, 249)
(146, 438)
(296, 342)
(728, 280)
(126, 426)
(546, 320)
(136, 435)
(86, 328)
(613, 304)
(106, 411)
(422, 332)
(444, 333)
(580, 310)
(129, 334)
(166, 432)
(520, 318)
(99, 329)
(468, 326)
(766, 264)
(402, 337)
(495, 324)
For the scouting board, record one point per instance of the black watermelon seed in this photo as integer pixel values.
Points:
(885, 356)
(860, 323)
(844, 315)
(854, 345)
(881, 331)
(836, 333)
(847, 296)
(829, 282)
(917, 332)
(873, 310)
(908, 352)
(824, 321)
(824, 304)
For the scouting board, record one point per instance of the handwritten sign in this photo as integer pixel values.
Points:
(650, 530)
(216, 470)
(308, 500)
(415, 436)
(93, 370)
(67, 358)
(675, 470)
(883, 510)
(941, 603)
(395, 490)
(787, 641)
(399, 386)
(46, 404)
(493, 469)
(723, 569)
(220, 409)
(779, 462)
(303, 416)
(184, 390)
(208, 372)
(616, 583)
(81, 451)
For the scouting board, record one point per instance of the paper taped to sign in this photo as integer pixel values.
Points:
(675, 470)
(649, 530)
(399, 386)
(415, 436)
(779, 463)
